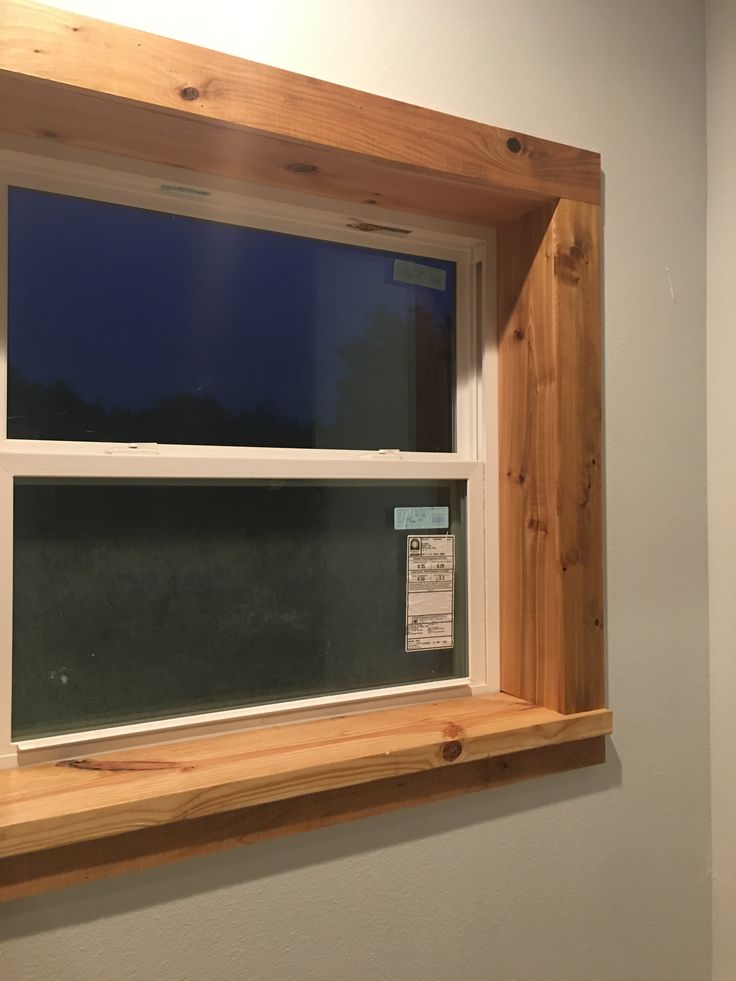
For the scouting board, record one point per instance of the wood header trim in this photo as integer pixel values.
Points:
(279, 117)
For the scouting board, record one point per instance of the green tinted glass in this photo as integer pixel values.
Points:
(151, 599)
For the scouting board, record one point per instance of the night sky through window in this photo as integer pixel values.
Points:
(135, 325)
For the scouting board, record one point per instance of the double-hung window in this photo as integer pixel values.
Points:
(249, 466)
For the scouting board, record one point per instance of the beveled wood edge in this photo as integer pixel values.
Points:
(38, 872)
(57, 804)
(125, 67)
(550, 457)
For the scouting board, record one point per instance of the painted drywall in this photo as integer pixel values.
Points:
(721, 47)
(599, 874)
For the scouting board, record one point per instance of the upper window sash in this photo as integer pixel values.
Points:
(225, 206)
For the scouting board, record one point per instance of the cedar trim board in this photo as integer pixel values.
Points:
(101, 858)
(550, 458)
(57, 804)
(89, 83)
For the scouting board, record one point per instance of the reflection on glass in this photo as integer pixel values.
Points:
(136, 600)
(134, 325)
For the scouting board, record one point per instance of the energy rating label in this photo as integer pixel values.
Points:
(430, 592)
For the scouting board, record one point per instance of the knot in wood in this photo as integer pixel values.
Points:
(189, 93)
(452, 750)
(577, 253)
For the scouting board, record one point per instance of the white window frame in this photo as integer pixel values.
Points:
(474, 459)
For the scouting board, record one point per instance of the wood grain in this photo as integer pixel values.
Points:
(110, 88)
(550, 458)
(81, 119)
(57, 804)
(88, 861)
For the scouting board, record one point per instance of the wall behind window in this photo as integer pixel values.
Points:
(595, 874)
(722, 471)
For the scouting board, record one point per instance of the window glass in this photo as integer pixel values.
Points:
(148, 599)
(134, 325)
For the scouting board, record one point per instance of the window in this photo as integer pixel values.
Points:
(226, 417)
(194, 795)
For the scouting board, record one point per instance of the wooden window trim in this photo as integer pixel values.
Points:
(93, 85)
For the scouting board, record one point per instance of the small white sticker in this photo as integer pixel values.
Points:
(409, 519)
(417, 274)
(430, 592)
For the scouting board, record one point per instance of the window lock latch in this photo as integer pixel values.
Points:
(133, 449)
(381, 455)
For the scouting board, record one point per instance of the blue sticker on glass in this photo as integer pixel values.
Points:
(410, 519)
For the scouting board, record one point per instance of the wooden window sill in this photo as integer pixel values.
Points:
(46, 808)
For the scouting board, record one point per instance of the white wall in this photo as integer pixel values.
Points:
(722, 471)
(596, 874)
